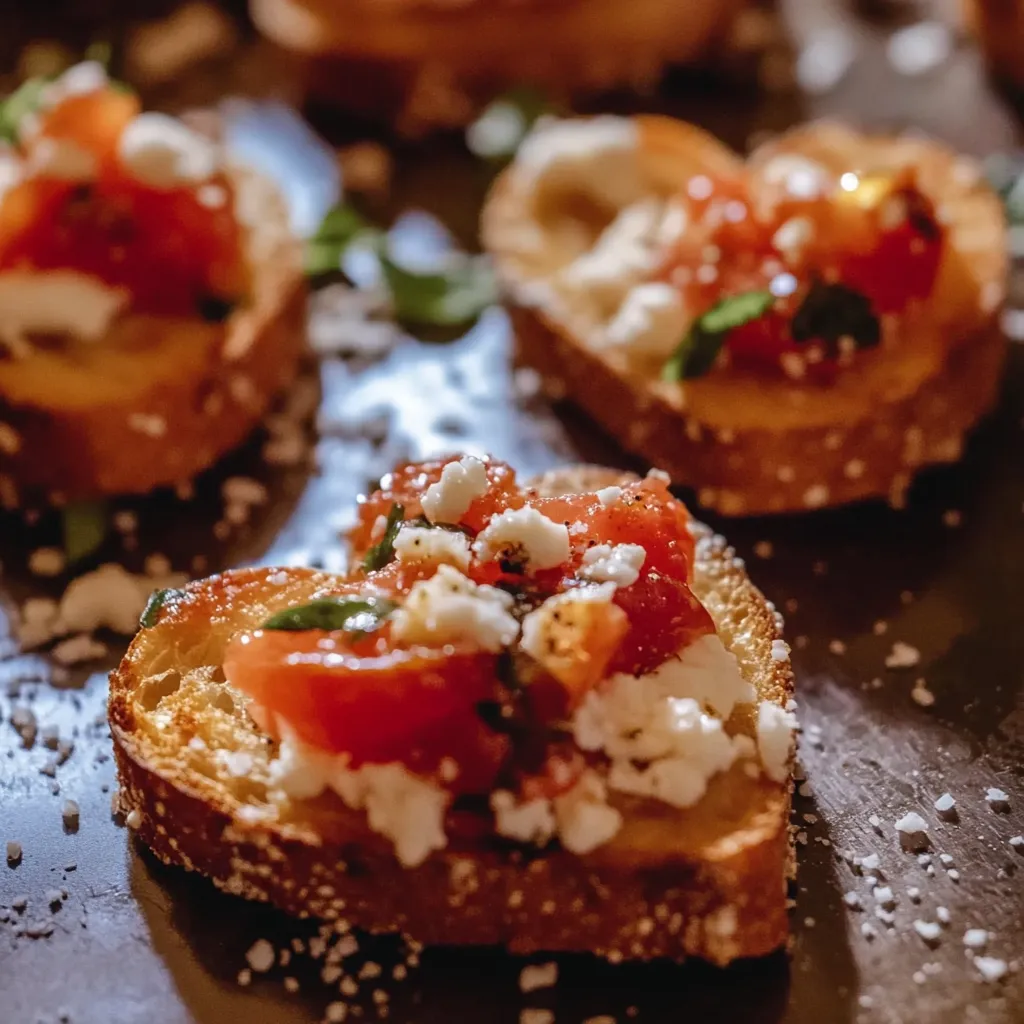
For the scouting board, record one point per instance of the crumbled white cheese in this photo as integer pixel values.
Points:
(555, 634)
(461, 483)
(55, 302)
(870, 862)
(585, 819)
(164, 153)
(884, 896)
(527, 535)
(652, 320)
(775, 729)
(430, 544)
(613, 563)
(597, 157)
(975, 938)
(608, 496)
(793, 235)
(448, 607)
(780, 650)
(643, 720)
(532, 821)
(406, 809)
(626, 253)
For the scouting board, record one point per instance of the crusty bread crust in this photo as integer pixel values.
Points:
(752, 443)
(389, 58)
(708, 881)
(160, 398)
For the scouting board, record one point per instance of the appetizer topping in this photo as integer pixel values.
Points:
(449, 607)
(430, 544)
(543, 652)
(525, 537)
(619, 564)
(98, 193)
(448, 500)
(783, 264)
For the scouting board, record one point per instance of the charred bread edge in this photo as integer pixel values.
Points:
(719, 911)
(60, 454)
(753, 471)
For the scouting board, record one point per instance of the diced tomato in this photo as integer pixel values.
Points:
(93, 120)
(169, 251)
(176, 255)
(406, 484)
(377, 705)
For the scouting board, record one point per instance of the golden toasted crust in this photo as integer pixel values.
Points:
(411, 55)
(159, 398)
(707, 881)
(751, 443)
(999, 25)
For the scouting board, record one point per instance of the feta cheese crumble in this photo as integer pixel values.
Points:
(461, 483)
(775, 729)
(613, 563)
(164, 153)
(399, 805)
(524, 534)
(426, 544)
(449, 607)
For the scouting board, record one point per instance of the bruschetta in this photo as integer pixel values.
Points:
(805, 328)
(432, 62)
(152, 298)
(555, 717)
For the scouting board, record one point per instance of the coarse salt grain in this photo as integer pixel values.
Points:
(975, 938)
(928, 930)
(945, 804)
(991, 968)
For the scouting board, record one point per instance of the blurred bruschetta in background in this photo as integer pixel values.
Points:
(434, 62)
(802, 329)
(152, 297)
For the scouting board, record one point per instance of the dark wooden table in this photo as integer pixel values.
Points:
(136, 942)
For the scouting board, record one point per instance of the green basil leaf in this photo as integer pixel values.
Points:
(698, 351)
(833, 311)
(24, 100)
(157, 600)
(447, 298)
(425, 524)
(351, 615)
(384, 550)
(503, 124)
(336, 233)
(84, 525)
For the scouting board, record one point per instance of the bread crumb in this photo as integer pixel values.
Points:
(47, 562)
(261, 956)
(902, 656)
(921, 695)
(535, 976)
(70, 813)
(13, 852)
(244, 977)
(533, 1016)
(134, 818)
(335, 1013)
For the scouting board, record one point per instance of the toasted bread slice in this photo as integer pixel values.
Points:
(159, 398)
(433, 61)
(753, 443)
(708, 881)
